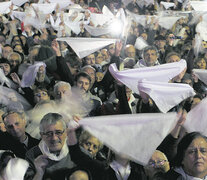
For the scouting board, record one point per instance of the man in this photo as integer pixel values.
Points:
(52, 154)
(15, 138)
(83, 83)
(130, 51)
(160, 43)
(14, 60)
(62, 89)
(150, 57)
(157, 163)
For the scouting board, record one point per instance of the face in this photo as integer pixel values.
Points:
(157, 163)
(62, 91)
(79, 175)
(195, 158)
(14, 60)
(195, 102)
(2, 126)
(90, 60)
(15, 125)
(144, 36)
(83, 83)
(150, 57)
(54, 136)
(201, 64)
(6, 51)
(18, 48)
(128, 93)
(105, 54)
(99, 58)
(24, 40)
(92, 146)
(161, 44)
(41, 96)
(6, 68)
(111, 49)
(173, 58)
(91, 73)
(130, 52)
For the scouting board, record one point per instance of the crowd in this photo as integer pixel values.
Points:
(68, 60)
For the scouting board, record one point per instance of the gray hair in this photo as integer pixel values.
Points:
(50, 119)
(149, 48)
(87, 66)
(16, 54)
(61, 83)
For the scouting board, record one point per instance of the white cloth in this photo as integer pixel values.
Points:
(99, 19)
(28, 78)
(45, 150)
(85, 46)
(97, 31)
(167, 5)
(201, 74)
(5, 7)
(15, 169)
(122, 173)
(4, 79)
(18, 15)
(45, 8)
(63, 4)
(136, 136)
(199, 5)
(141, 19)
(140, 43)
(186, 176)
(196, 118)
(167, 22)
(166, 95)
(159, 73)
(19, 2)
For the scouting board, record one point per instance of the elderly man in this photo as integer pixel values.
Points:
(15, 138)
(150, 57)
(62, 89)
(52, 154)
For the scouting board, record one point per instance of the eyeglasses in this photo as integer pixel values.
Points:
(157, 163)
(41, 94)
(57, 133)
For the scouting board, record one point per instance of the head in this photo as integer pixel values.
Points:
(105, 54)
(192, 154)
(53, 132)
(5, 66)
(15, 123)
(62, 89)
(90, 59)
(157, 163)
(2, 125)
(160, 42)
(91, 72)
(14, 59)
(99, 57)
(196, 99)
(111, 49)
(200, 63)
(79, 175)
(73, 64)
(150, 55)
(33, 52)
(90, 143)
(7, 49)
(41, 94)
(18, 48)
(130, 51)
(83, 82)
(172, 57)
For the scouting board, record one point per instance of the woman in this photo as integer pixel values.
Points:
(191, 159)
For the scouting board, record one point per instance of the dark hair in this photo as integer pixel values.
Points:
(184, 144)
(83, 74)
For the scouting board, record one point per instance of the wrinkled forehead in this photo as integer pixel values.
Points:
(158, 155)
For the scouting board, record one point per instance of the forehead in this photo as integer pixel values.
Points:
(63, 87)
(198, 142)
(90, 56)
(7, 48)
(158, 155)
(83, 79)
(150, 51)
(89, 70)
(130, 48)
(11, 118)
(93, 140)
(4, 64)
(53, 127)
